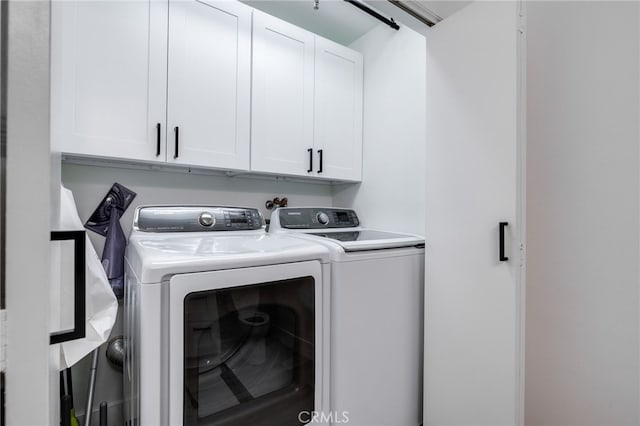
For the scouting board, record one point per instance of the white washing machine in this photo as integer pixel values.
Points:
(377, 287)
(224, 324)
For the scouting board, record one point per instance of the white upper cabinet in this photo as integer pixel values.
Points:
(307, 103)
(212, 84)
(282, 107)
(209, 82)
(338, 111)
(108, 78)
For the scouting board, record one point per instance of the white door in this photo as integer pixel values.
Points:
(282, 107)
(338, 111)
(108, 78)
(32, 391)
(208, 106)
(472, 298)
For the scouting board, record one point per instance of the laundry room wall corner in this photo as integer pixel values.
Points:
(89, 184)
(394, 132)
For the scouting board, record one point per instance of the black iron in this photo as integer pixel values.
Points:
(503, 225)
(79, 312)
(118, 196)
(310, 151)
(389, 21)
(320, 155)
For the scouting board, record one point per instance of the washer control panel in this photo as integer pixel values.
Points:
(317, 218)
(196, 219)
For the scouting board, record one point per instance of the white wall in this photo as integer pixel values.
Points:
(90, 184)
(394, 132)
(582, 331)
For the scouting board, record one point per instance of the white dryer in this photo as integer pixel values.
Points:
(224, 324)
(377, 288)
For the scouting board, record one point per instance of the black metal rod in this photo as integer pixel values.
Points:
(310, 151)
(503, 225)
(177, 131)
(63, 388)
(158, 140)
(69, 379)
(65, 411)
(320, 155)
(389, 21)
(103, 413)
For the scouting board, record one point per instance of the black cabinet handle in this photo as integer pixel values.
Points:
(320, 155)
(177, 132)
(79, 308)
(310, 151)
(503, 225)
(158, 140)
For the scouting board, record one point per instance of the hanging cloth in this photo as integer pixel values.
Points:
(113, 253)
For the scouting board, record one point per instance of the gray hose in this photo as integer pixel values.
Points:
(92, 387)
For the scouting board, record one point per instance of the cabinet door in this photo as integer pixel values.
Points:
(473, 316)
(209, 84)
(338, 111)
(282, 109)
(108, 78)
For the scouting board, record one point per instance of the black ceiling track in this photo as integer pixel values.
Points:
(389, 21)
(413, 13)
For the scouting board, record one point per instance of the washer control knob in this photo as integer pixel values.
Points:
(206, 219)
(323, 218)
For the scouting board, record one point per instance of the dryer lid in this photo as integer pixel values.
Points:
(368, 239)
(155, 257)
(339, 226)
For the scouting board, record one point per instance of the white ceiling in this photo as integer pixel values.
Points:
(336, 20)
(340, 21)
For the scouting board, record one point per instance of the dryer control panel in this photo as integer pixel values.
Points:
(317, 218)
(196, 219)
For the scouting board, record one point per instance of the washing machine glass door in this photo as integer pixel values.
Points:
(248, 351)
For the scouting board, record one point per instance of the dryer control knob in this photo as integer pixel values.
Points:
(206, 219)
(323, 218)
